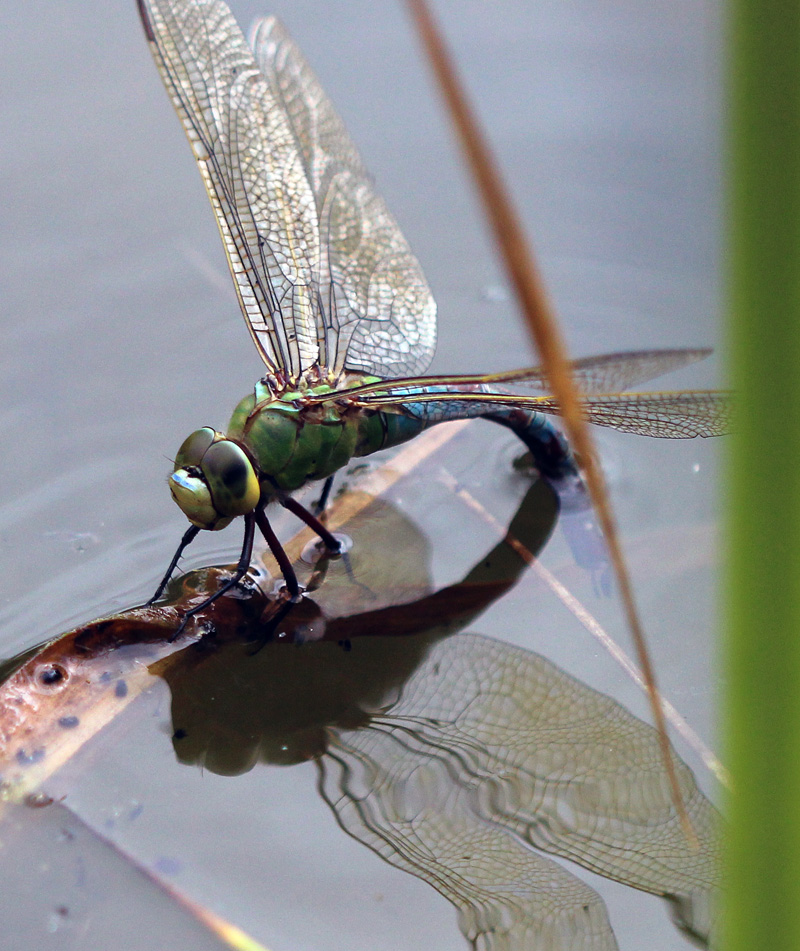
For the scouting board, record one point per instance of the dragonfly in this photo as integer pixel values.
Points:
(336, 302)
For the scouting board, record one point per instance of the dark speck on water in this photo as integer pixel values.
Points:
(53, 674)
(24, 758)
(168, 866)
(121, 689)
(38, 800)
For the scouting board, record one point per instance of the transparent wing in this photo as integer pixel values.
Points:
(678, 415)
(491, 750)
(378, 315)
(607, 373)
(247, 154)
(672, 415)
(615, 372)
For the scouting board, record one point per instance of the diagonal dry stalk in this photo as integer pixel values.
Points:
(529, 288)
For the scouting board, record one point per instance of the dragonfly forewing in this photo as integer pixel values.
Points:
(670, 414)
(323, 273)
(377, 313)
(605, 373)
(247, 156)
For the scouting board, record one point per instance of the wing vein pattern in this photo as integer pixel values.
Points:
(321, 269)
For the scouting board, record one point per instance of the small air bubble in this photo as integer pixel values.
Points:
(495, 293)
(316, 549)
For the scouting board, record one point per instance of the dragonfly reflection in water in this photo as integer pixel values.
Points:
(456, 757)
(336, 303)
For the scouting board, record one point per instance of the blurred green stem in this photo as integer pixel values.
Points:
(763, 477)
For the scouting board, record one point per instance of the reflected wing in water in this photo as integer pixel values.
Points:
(489, 746)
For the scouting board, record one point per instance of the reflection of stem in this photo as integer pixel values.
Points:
(593, 626)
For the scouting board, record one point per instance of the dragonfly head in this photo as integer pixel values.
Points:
(214, 480)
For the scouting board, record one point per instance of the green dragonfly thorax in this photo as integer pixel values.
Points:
(292, 441)
(278, 439)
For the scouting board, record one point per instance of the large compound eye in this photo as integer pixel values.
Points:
(192, 495)
(194, 448)
(231, 479)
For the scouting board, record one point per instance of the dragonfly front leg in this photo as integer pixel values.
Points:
(332, 543)
(241, 568)
(289, 577)
(189, 536)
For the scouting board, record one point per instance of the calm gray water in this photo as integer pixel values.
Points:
(121, 332)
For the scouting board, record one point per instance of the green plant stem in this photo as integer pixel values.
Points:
(763, 478)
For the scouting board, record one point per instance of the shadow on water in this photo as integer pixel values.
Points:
(453, 756)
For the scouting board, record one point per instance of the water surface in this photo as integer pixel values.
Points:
(121, 332)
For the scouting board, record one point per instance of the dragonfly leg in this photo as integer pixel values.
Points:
(322, 501)
(189, 536)
(332, 543)
(241, 568)
(289, 577)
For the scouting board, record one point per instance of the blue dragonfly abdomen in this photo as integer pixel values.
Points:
(383, 429)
